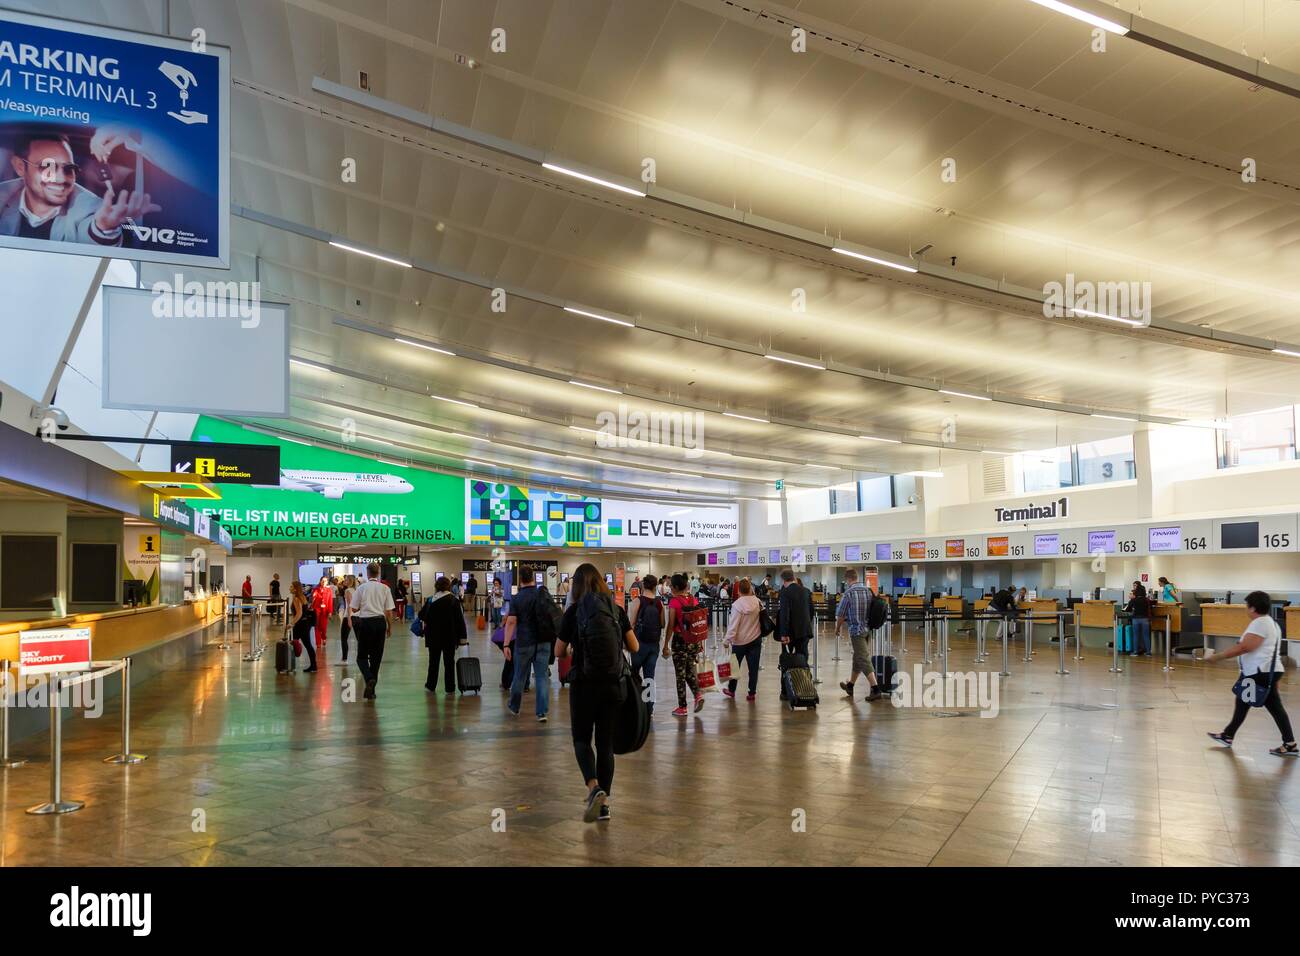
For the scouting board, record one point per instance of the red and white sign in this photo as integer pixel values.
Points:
(53, 651)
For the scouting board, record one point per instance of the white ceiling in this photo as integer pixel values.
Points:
(1114, 166)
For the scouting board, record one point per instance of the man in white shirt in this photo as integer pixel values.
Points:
(372, 621)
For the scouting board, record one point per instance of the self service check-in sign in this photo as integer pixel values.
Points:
(232, 464)
(53, 651)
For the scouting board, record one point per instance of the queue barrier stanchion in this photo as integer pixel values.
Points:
(942, 627)
(1078, 636)
(1003, 628)
(56, 804)
(124, 756)
(1029, 638)
(6, 762)
(1060, 641)
(1168, 639)
(1114, 666)
(925, 645)
(815, 643)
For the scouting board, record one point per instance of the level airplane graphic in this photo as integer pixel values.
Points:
(335, 484)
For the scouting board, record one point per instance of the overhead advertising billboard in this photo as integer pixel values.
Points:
(499, 513)
(113, 143)
(325, 495)
(226, 355)
(227, 464)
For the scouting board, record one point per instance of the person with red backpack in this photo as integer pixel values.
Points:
(688, 627)
(647, 616)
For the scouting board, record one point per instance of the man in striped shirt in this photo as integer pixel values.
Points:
(854, 605)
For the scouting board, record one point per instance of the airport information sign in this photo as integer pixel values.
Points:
(123, 137)
(222, 463)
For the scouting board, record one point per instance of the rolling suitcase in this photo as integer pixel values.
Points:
(285, 662)
(885, 668)
(469, 675)
(797, 687)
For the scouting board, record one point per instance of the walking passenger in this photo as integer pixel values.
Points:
(322, 604)
(444, 631)
(743, 632)
(1261, 672)
(522, 647)
(345, 615)
(794, 618)
(372, 622)
(301, 623)
(683, 654)
(598, 631)
(854, 613)
(647, 616)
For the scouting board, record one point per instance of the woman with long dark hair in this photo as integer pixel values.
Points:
(444, 631)
(598, 631)
(301, 622)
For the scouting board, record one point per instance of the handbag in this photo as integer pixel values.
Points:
(1253, 691)
(726, 668)
(765, 625)
(706, 675)
(297, 647)
(417, 627)
(499, 637)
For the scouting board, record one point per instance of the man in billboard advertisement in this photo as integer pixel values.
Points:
(112, 139)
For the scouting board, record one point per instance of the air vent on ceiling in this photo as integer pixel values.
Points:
(995, 476)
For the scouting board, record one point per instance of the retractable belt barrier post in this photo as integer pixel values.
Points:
(1029, 637)
(815, 642)
(1006, 664)
(942, 624)
(1078, 636)
(5, 761)
(1168, 638)
(1114, 666)
(1060, 641)
(124, 755)
(56, 802)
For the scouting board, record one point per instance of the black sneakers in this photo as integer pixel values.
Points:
(847, 688)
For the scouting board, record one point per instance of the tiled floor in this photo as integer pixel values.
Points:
(1090, 768)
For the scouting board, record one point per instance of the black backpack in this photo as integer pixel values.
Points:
(547, 617)
(600, 640)
(643, 626)
(876, 612)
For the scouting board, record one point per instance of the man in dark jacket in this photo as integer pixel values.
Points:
(444, 631)
(794, 620)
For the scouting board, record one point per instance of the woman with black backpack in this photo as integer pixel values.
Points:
(647, 616)
(598, 630)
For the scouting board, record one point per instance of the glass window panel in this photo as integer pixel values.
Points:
(1045, 470)
(1259, 438)
(876, 493)
(1110, 459)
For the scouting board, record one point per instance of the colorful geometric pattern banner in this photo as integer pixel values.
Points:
(511, 514)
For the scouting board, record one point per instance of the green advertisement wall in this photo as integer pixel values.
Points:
(332, 496)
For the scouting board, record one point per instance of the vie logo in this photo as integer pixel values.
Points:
(153, 234)
(75, 909)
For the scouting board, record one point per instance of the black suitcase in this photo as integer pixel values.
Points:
(284, 659)
(797, 687)
(469, 675)
(885, 668)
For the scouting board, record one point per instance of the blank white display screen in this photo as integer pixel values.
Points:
(232, 365)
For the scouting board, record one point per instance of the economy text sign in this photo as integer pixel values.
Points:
(116, 143)
(54, 650)
(225, 463)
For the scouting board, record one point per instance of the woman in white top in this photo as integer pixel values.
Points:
(743, 636)
(1259, 648)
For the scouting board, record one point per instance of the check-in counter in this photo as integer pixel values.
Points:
(1220, 621)
(953, 604)
(117, 634)
(911, 600)
(1292, 623)
(1096, 623)
(982, 605)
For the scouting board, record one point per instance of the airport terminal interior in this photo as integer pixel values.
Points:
(664, 433)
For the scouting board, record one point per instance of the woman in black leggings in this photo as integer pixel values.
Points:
(1261, 667)
(302, 622)
(593, 706)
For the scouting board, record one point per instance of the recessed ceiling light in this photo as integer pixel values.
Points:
(597, 315)
(1114, 418)
(590, 461)
(581, 428)
(378, 441)
(305, 364)
(593, 179)
(599, 388)
(790, 361)
(1286, 352)
(454, 401)
(421, 345)
(372, 255)
(923, 474)
(866, 258)
(978, 398)
(891, 441)
(680, 511)
(1083, 15)
(748, 418)
(812, 464)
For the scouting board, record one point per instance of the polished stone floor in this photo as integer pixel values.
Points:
(247, 768)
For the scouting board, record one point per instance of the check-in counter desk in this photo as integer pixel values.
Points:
(129, 632)
(1292, 623)
(1173, 613)
(1044, 609)
(1096, 623)
(1222, 624)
